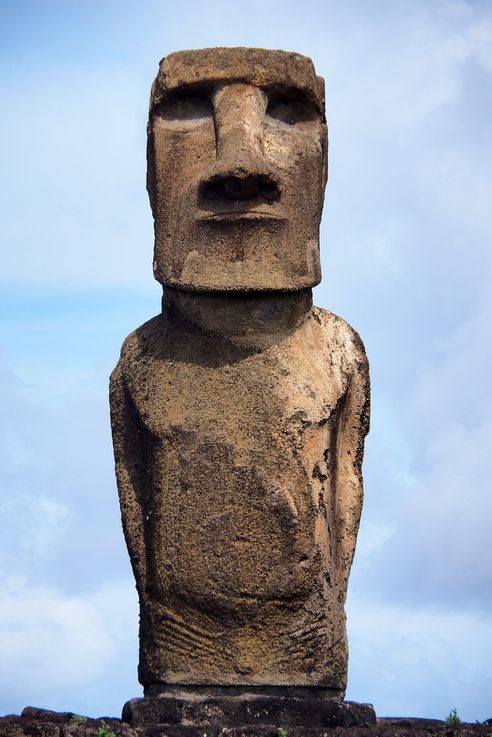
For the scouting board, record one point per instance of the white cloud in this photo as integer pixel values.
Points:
(454, 386)
(59, 507)
(440, 552)
(51, 636)
(421, 662)
(38, 520)
(58, 650)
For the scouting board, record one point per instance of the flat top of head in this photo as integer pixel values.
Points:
(259, 67)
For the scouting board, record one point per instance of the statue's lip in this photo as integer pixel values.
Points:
(234, 216)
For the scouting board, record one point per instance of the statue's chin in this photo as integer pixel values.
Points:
(249, 254)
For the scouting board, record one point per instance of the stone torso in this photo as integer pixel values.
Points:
(238, 465)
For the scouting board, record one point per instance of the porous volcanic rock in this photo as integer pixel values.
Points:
(35, 722)
(239, 413)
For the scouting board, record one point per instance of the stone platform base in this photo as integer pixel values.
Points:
(233, 711)
(35, 722)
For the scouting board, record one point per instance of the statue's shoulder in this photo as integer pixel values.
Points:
(137, 346)
(341, 335)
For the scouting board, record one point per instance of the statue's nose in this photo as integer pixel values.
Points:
(240, 183)
(240, 171)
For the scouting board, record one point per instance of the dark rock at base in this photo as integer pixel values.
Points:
(45, 715)
(229, 708)
(43, 723)
(36, 722)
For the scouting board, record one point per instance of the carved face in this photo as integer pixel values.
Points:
(237, 170)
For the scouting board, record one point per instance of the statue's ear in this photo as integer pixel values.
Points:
(321, 97)
(151, 165)
(155, 98)
(320, 83)
(325, 156)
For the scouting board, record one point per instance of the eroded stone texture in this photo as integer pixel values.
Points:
(245, 122)
(239, 413)
(145, 719)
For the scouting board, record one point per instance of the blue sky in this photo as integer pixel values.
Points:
(406, 260)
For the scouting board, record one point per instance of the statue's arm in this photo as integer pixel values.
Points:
(352, 430)
(129, 466)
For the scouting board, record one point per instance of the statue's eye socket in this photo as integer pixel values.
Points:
(291, 110)
(184, 107)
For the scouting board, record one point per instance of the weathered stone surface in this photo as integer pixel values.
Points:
(239, 413)
(240, 580)
(219, 126)
(61, 725)
(220, 708)
(36, 722)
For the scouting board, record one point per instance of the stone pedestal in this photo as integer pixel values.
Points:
(184, 711)
(35, 722)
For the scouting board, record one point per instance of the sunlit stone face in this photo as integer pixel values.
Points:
(237, 170)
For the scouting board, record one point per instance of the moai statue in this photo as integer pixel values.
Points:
(239, 413)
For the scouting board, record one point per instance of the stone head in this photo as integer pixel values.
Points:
(237, 167)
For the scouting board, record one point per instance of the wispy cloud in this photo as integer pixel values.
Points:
(64, 648)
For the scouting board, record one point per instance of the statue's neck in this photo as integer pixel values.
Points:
(253, 320)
